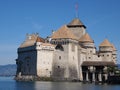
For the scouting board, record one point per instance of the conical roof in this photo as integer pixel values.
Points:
(105, 43)
(64, 32)
(76, 22)
(86, 38)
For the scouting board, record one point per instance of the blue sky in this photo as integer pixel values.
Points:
(19, 17)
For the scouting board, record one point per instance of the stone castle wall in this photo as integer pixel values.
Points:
(60, 63)
(27, 58)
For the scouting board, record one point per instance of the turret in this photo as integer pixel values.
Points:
(114, 54)
(87, 43)
(105, 50)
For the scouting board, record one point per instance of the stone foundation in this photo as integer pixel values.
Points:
(32, 78)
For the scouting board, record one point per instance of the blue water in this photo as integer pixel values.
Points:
(7, 83)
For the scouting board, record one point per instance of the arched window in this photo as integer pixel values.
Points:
(59, 47)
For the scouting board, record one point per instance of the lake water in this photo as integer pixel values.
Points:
(7, 83)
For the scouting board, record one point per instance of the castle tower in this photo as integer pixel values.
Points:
(114, 54)
(44, 58)
(77, 27)
(34, 58)
(105, 50)
(65, 61)
(87, 43)
(26, 62)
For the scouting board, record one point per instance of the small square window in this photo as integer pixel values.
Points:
(90, 51)
(58, 66)
(59, 57)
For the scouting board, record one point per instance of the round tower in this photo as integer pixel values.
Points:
(87, 43)
(114, 54)
(105, 50)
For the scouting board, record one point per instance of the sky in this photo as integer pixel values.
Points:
(19, 17)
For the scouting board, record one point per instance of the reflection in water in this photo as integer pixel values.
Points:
(20, 85)
(62, 86)
(9, 84)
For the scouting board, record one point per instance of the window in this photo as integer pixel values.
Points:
(65, 42)
(27, 60)
(90, 51)
(98, 55)
(59, 57)
(59, 47)
(50, 72)
(58, 66)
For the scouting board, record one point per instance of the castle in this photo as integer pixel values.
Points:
(67, 54)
